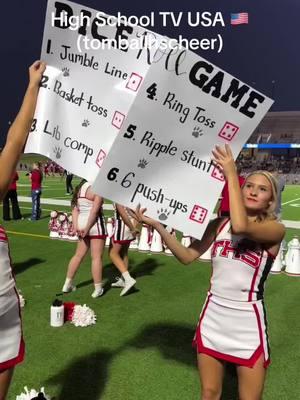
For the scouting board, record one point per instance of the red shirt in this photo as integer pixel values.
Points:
(36, 179)
(224, 205)
(13, 185)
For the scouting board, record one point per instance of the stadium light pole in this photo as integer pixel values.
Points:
(273, 89)
(273, 93)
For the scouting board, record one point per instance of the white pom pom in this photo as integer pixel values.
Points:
(62, 217)
(21, 299)
(83, 316)
(53, 214)
(70, 218)
(30, 394)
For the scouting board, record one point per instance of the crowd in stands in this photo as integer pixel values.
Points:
(287, 166)
(274, 138)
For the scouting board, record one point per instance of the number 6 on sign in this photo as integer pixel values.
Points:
(112, 174)
(126, 183)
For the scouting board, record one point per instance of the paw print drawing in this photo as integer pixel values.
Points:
(197, 132)
(85, 123)
(163, 214)
(142, 163)
(66, 71)
(57, 151)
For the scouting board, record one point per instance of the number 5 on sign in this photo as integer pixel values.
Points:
(130, 132)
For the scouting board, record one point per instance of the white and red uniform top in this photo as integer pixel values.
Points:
(240, 267)
(232, 325)
(12, 346)
(121, 232)
(7, 281)
(84, 205)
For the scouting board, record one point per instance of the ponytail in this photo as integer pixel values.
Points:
(76, 191)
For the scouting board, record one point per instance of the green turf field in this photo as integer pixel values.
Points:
(140, 348)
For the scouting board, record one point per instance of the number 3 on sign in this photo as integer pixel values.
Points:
(152, 91)
(33, 125)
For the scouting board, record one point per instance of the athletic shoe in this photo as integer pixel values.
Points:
(119, 283)
(129, 283)
(97, 292)
(68, 288)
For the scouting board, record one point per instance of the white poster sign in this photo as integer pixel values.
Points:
(85, 95)
(161, 158)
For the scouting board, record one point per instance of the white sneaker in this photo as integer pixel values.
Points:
(68, 288)
(129, 283)
(119, 283)
(97, 293)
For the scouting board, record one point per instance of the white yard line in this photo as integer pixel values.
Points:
(58, 202)
(44, 188)
(291, 201)
(30, 208)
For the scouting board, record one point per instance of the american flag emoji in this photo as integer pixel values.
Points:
(239, 18)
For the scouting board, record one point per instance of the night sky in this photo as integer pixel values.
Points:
(264, 53)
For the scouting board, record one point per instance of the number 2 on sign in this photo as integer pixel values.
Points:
(43, 83)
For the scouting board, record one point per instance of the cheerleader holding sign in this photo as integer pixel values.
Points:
(232, 325)
(11, 338)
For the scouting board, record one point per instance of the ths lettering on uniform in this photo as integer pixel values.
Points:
(237, 251)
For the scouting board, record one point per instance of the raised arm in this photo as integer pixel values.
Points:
(122, 211)
(185, 255)
(268, 231)
(19, 130)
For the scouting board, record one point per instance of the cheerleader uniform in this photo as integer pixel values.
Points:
(12, 346)
(121, 232)
(84, 205)
(232, 325)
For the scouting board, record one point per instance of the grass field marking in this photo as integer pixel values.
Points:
(45, 200)
(291, 201)
(47, 188)
(28, 234)
(30, 208)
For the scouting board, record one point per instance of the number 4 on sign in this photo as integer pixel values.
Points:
(152, 91)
